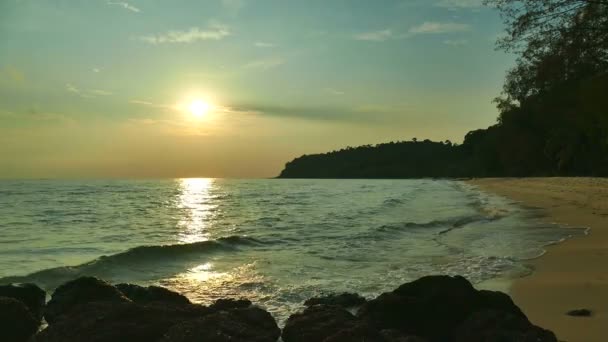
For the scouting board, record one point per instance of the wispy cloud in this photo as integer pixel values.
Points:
(456, 4)
(96, 70)
(264, 45)
(334, 91)
(194, 34)
(265, 63)
(124, 5)
(152, 104)
(375, 36)
(430, 27)
(90, 93)
(457, 42)
(100, 92)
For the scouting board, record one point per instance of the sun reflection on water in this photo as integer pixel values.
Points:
(195, 200)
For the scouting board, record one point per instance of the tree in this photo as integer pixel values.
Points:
(557, 41)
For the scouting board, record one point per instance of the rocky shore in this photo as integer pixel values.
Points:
(431, 309)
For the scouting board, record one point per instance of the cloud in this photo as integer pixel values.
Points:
(437, 28)
(265, 63)
(125, 5)
(375, 36)
(96, 70)
(100, 92)
(456, 4)
(457, 42)
(264, 45)
(362, 114)
(194, 34)
(335, 92)
(152, 104)
(91, 93)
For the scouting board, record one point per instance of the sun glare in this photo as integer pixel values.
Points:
(199, 107)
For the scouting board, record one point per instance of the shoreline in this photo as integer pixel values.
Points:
(570, 274)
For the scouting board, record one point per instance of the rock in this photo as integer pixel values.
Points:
(493, 325)
(494, 300)
(119, 321)
(397, 336)
(345, 300)
(250, 324)
(143, 295)
(316, 323)
(17, 323)
(433, 307)
(357, 333)
(226, 304)
(29, 294)
(580, 313)
(77, 292)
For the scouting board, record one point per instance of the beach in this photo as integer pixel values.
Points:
(572, 274)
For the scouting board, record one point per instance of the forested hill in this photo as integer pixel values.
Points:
(553, 110)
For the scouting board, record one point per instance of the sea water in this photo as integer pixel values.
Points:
(276, 242)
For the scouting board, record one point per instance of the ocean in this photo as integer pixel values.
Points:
(276, 242)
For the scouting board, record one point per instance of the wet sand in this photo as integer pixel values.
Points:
(572, 274)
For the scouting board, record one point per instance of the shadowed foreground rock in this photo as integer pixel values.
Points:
(434, 309)
(150, 294)
(80, 291)
(430, 309)
(17, 324)
(345, 300)
(235, 325)
(29, 294)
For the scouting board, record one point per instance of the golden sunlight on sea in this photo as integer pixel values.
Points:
(194, 201)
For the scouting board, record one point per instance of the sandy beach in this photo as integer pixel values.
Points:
(572, 274)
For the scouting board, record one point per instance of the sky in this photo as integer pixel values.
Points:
(105, 89)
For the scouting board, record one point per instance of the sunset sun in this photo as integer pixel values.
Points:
(199, 108)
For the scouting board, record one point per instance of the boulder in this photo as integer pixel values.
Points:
(345, 300)
(356, 333)
(119, 321)
(29, 294)
(80, 291)
(494, 325)
(229, 303)
(580, 313)
(433, 307)
(17, 323)
(317, 323)
(143, 295)
(250, 324)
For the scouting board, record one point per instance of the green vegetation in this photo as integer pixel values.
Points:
(553, 109)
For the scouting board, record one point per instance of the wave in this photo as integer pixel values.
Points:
(451, 223)
(142, 259)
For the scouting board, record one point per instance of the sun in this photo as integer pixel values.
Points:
(199, 108)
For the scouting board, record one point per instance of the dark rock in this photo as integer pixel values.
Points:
(397, 336)
(356, 333)
(119, 321)
(317, 323)
(29, 294)
(492, 325)
(226, 304)
(433, 307)
(494, 300)
(143, 295)
(77, 292)
(580, 313)
(17, 323)
(250, 324)
(345, 300)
